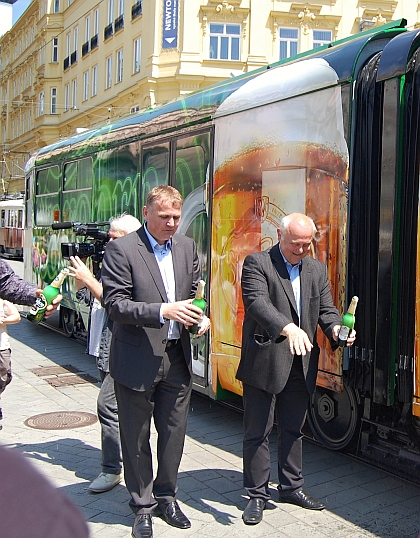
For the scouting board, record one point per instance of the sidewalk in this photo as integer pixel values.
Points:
(361, 501)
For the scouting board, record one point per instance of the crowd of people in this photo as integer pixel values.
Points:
(140, 311)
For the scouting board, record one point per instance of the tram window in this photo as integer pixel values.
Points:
(70, 177)
(3, 218)
(192, 160)
(47, 181)
(20, 219)
(12, 220)
(46, 195)
(155, 168)
(84, 175)
(77, 191)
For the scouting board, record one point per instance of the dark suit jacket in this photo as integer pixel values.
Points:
(270, 305)
(133, 293)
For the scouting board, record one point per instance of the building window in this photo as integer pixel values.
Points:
(110, 11)
(74, 93)
(41, 103)
(87, 29)
(94, 80)
(136, 10)
(85, 85)
(321, 37)
(289, 42)
(224, 41)
(56, 6)
(66, 97)
(68, 44)
(55, 49)
(108, 75)
(76, 38)
(96, 22)
(120, 8)
(120, 58)
(53, 100)
(137, 55)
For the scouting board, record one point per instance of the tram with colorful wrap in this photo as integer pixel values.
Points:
(333, 133)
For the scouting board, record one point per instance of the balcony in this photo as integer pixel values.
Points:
(119, 23)
(66, 63)
(109, 31)
(73, 57)
(94, 42)
(136, 10)
(85, 48)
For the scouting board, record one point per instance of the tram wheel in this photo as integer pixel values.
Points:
(68, 321)
(334, 417)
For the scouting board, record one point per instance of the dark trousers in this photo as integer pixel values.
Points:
(110, 428)
(289, 407)
(167, 401)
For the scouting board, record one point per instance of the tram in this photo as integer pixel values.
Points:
(333, 133)
(12, 227)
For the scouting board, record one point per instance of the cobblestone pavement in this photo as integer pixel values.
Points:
(361, 501)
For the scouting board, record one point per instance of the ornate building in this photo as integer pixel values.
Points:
(69, 64)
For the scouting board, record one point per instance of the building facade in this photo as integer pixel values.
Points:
(68, 65)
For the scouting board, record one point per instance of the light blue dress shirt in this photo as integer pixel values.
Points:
(294, 274)
(163, 255)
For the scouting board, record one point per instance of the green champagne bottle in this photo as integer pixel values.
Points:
(347, 322)
(49, 293)
(200, 302)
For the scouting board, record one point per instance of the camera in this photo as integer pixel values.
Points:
(83, 250)
(95, 248)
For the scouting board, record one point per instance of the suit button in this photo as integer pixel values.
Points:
(164, 341)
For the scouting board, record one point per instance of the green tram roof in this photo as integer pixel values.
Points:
(200, 106)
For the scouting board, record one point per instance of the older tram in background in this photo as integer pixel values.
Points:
(333, 133)
(12, 229)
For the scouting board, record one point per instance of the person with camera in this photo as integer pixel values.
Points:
(99, 341)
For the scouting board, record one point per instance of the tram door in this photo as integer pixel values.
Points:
(184, 163)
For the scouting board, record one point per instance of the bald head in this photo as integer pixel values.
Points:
(296, 233)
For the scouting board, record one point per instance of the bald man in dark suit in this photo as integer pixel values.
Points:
(286, 296)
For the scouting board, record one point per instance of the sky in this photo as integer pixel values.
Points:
(18, 8)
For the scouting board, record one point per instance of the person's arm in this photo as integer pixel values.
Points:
(84, 277)
(12, 316)
(15, 289)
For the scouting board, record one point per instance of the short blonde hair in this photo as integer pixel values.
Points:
(164, 192)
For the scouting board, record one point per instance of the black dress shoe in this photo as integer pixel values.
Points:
(302, 499)
(174, 516)
(142, 527)
(253, 512)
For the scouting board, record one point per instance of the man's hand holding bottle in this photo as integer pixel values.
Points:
(51, 308)
(186, 313)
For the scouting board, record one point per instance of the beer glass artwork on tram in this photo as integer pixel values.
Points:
(287, 156)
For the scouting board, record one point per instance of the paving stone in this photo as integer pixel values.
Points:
(362, 502)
